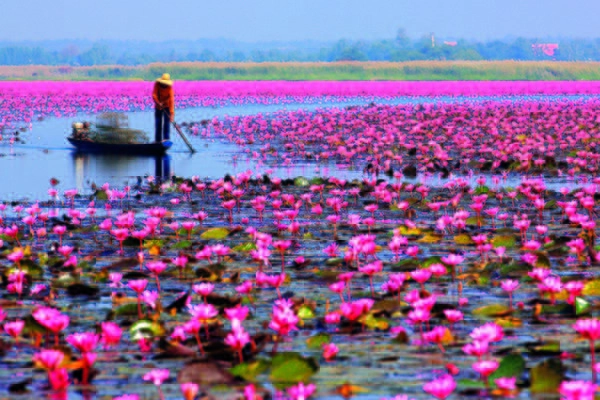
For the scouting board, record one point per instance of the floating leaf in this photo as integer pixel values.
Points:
(101, 195)
(507, 241)
(546, 348)
(248, 246)
(405, 231)
(512, 365)
(557, 309)
(317, 341)
(305, 312)
(31, 268)
(215, 233)
(430, 238)
(127, 309)
(148, 244)
(474, 221)
(431, 260)
(291, 368)
(547, 376)
(373, 322)
(492, 310)
(551, 205)
(582, 306)
(145, 328)
(387, 305)
(301, 181)
(542, 260)
(182, 244)
(591, 288)
(463, 239)
(249, 371)
(470, 384)
(332, 262)
(509, 322)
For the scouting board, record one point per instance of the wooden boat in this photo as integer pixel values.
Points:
(89, 146)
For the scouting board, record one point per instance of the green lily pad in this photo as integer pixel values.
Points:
(430, 238)
(470, 384)
(512, 365)
(550, 205)
(215, 233)
(332, 262)
(249, 371)
(591, 288)
(547, 376)
(317, 341)
(463, 239)
(372, 322)
(492, 310)
(301, 181)
(244, 247)
(473, 221)
(542, 260)
(507, 241)
(145, 328)
(406, 231)
(290, 368)
(305, 312)
(182, 244)
(431, 260)
(582, 306)
(153, 242)
(127, 309)
(101, 195)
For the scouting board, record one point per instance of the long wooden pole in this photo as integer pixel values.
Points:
(185, 139)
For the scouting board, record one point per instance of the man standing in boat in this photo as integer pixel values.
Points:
(164, 102)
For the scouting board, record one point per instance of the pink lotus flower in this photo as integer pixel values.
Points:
(111, 334)
(486, 368)
(237, 339)
(330, 351)
(14, 328)
(157, 376)
(189, 390)
(301, 391)
(59, 379)
(578, 390)
(84, 342)
(440, 388)
(49, 359)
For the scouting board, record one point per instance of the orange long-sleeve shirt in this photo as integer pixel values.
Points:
(164, 94)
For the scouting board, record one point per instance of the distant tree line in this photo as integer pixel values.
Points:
(400, 48)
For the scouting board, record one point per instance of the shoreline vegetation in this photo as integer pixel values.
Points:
(317, 71)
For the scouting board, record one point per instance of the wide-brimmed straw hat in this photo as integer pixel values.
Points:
(165, 79)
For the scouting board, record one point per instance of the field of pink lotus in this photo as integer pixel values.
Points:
(463, 264)
(23, 102)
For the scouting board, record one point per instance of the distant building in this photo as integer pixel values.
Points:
(546, 48)
(452, 44)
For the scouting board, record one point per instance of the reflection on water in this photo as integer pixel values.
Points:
(86, 166)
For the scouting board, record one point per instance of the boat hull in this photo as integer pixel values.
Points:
(87, 146)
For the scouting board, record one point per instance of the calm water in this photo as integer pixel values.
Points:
(26, 169)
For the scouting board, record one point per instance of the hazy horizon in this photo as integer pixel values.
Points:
(302, 20)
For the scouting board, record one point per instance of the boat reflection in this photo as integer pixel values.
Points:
(117, 169)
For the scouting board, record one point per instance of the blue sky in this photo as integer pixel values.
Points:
(266, 20)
